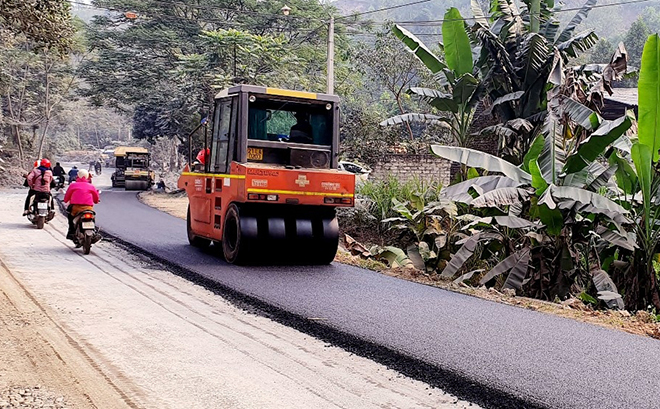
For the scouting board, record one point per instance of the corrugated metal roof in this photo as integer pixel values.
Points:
(626, 96)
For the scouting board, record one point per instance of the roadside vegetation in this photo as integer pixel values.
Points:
(569, 209)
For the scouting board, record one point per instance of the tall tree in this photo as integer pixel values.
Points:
(166, 59)
(47, 23)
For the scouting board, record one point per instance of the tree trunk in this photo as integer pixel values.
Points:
(16, 130)
(398, 102)
(47, 107)
(43, 138)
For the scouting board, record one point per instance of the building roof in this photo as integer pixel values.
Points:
(626, 96)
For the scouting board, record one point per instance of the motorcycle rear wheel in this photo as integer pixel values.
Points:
(87, 244)
(40, 222)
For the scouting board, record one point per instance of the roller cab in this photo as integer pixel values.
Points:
(264, 186)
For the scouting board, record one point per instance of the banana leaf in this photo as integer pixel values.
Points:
(513, 96)
(460, 191)
(649, 96)
(478, 13)
(583, 116)
(467, 276)
(604, 283)
(458, 52)
(469, 245)
(595, 145)
(533, 59)
(415, 257)
(602, 179)
(533, 153)
(476, 159)
(553, 156)
(538, 182)
(580, 43)
(567, 33)
(514, 222)
(642, 157)
(616, 239)
(439, 100)
(394, 256)
(464, 90)
(413, 117)
(626, 178)
(501, 197)
(517, 264)
(550, 29)
(585, 197)
(552, 219)
(425, 55)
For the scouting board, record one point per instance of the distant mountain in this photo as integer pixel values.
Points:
(608, 22)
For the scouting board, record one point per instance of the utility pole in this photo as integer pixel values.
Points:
(331, 56)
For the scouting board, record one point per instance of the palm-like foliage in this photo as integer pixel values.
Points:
(561, 188)
(517, 60)
(458, 91)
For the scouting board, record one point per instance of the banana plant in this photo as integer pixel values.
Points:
(558, 189)
(640, 279)
(459, 90)
(517, 50)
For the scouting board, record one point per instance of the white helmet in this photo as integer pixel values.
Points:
(82, 173)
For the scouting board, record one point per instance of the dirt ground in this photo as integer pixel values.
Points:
(114, 330)
(641, 323)
(40, 366)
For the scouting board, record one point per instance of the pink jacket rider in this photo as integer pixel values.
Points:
(34, 179)
(82, 193)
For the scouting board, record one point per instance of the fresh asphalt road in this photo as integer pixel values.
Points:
(541, 359)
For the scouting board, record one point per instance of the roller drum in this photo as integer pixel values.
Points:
(137, 185)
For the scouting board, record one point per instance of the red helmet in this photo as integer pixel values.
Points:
(37, 163)
(45, 163)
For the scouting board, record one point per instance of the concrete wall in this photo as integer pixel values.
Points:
(406, 167)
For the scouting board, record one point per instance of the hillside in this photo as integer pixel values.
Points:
(609, 22)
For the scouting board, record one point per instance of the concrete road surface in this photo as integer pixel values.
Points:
(111, 330)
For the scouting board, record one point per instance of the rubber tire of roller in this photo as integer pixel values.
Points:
(237, 232)
(136, 185)
(327, 247)
(193, 239)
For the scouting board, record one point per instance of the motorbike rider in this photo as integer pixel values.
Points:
(97, 167)
(80, 196)
(73, 174)
(58, 172)
(39, 180)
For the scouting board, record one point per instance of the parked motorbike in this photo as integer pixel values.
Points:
(86, 232)
(41, 211)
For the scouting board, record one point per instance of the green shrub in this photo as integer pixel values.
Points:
(380, 194)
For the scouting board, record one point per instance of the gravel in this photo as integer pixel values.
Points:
(28, 397)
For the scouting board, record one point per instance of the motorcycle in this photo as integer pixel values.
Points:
(59, 182)
(97, 169)
(86, 232)
(41, 211)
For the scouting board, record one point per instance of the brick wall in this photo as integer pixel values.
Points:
(406, 167)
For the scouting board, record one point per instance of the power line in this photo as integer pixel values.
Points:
(439, 21)
(383, 9)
